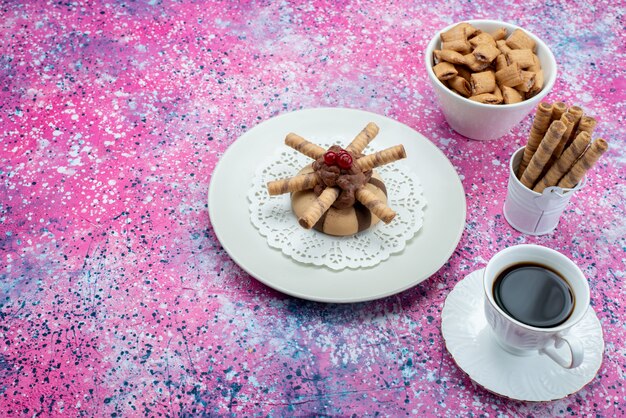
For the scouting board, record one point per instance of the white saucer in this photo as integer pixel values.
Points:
(528, 378)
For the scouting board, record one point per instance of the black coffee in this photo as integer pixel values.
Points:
(534, 294)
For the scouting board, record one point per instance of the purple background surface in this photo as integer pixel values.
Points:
(116, 298)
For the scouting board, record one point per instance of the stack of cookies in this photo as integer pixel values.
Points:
(559, 150)
(491, 68)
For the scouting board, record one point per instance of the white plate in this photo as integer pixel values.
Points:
(444, 215)
(526, 378)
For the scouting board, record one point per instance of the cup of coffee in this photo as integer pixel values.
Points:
(533, 297)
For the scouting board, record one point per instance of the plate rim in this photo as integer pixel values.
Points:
(237, 257)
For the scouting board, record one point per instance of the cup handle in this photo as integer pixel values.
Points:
(575, 348)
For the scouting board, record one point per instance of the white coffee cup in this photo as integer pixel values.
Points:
(522, 339)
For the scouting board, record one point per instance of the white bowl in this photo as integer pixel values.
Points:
(486, 121)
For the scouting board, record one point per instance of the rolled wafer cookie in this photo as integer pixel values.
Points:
(450, 56)
(523, 57)
(386, 156)
(543, 153)
(319, 207)
(460, 31)
(499, 34)
(463, 72)
(501, 62)
(461, 86)
(303, 146)
(376, 205)
(498, 93)
(569, 120)
(540, 125)
(482, 38)
(292, 184)
(586, 124)
(511, 75)
(486, 52)
(520, 40)
(584, 163)
(473, 64)
(539, 81)
(510, 95)
(564, 162)
(483, 82)
(578, 113)
(502, 46)
(445, 70)
(364, 137)
(558, 109)
(459, 45)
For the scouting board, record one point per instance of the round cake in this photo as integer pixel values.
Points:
(341, 221)
(339, 193)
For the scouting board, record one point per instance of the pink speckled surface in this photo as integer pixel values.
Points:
(116, 298)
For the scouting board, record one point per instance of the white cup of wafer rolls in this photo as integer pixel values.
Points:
(531, 212)
(479, 98)
(545, 174)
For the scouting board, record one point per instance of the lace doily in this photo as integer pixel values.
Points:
(273, 217)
